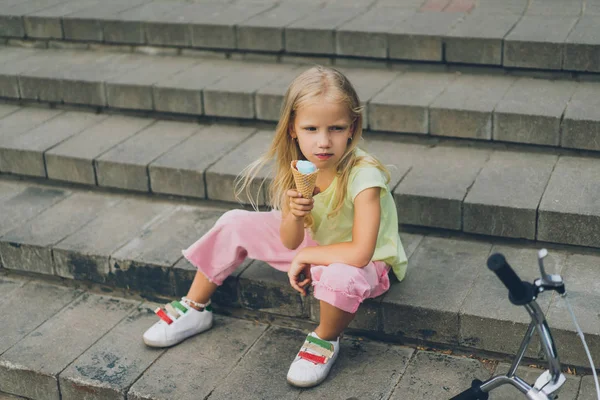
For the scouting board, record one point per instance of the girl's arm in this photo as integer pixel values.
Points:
(359, 251)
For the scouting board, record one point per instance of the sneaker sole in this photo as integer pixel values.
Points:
(305, 384)
(152, 343)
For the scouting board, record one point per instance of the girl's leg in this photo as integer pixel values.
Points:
(333, 321)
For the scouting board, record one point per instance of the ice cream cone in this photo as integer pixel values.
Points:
(305, 183)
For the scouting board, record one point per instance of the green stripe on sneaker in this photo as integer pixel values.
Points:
(179, 306)
(323, 343)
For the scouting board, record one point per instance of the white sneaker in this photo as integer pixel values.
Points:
(185, 324)
(313, 362)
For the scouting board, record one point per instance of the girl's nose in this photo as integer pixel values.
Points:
(323, 139)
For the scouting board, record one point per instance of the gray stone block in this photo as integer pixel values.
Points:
(127, 27)
(504, 199)
(220, 176)
(314, 33)
(72, 160)
(225, 344)
(432, 193)
(31, 367)
(582, 47)
(408, 314)
(581, 121)
(404, 105)
(531, 111)
(488, 321)
(555, 8)
(234, 96)
(580, 271)
(114, 363)
(263, 288)
(478, 39)
(437, 376)
(125, 166)
(465, 108)
(367, 35)
(28, 247)
(47, 23)
(507, 392)
(410, 242)
(182, 92)
(9, 285)
(18, 209)
(269, 99)
(11, 15)
(587, 390)
(133, 89)
(47, 301)
(565, 217)
(398, 157)
(420, 37)
(24, 120)
(537, 42)
(11, 188)
(180, 171)
(264, 32)
(85, 254)
(145, 262)
(387, 363)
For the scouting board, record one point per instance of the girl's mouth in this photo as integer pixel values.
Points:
(324, 156)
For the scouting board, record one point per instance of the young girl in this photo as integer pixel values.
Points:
(342, 241)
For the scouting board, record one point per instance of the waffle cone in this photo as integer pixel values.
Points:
(305, 184)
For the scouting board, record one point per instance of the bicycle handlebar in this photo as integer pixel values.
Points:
(520, 292)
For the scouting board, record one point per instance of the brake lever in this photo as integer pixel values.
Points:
(548, 281)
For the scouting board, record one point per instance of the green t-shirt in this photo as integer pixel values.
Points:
(338, 229)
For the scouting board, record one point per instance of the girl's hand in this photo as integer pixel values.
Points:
(299, 206)
(296, 269)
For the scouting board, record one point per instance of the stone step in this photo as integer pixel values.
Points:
(449, 297)
(539, 112)
(454, 186)
(237, 359)
(553, 36)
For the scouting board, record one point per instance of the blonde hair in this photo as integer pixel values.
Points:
(316, 83)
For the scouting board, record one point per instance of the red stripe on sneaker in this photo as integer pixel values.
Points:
(312, 357)
(163, 315)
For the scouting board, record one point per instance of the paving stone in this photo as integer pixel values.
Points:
(12, 62)
(537, 42)
(108, 368)
(133, 89)
(269, 98)
(17, 123)
(182, 92)
(7, 109)
(264, 32)
(145, 262)
(504, 199)
(408, 314)
(438, 376)
(465, 108)
(234, 96)
(31, 367)
(410, 242)
(507, 392)
(367, 35)
(587, 390)
(4, 396)
(25, 205)
(85, 254)
(581, 121)
(9, 286)
(348, 379)
(72, 160)
(28, 247)
(580, 276)
(24, 154)
(488, 320)
(314, 33)
(404, 105)
(47, 301)
(220, 176)
(433, 191)
(216, 353)
(88, 24)
(47, 23)
(420, 37)
(478, 39)
(125, 166)
(531, 111)
(555, 8)
(582, 47)
(181, 170)
(263, 288)
(569, 211)
(11, 21)
(11, 188)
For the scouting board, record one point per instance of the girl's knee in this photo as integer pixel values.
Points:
(233, 216)
(341, 277)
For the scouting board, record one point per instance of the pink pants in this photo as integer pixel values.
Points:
(239, 234)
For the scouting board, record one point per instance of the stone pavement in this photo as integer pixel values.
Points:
(74, 342)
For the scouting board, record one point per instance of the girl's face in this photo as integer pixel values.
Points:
(323, 129)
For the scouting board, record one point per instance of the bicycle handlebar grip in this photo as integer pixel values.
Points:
(520, 292)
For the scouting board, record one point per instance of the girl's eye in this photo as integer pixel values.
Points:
(337, 128)
(310, 128)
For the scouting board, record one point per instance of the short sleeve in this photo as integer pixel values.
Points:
(364, 178)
